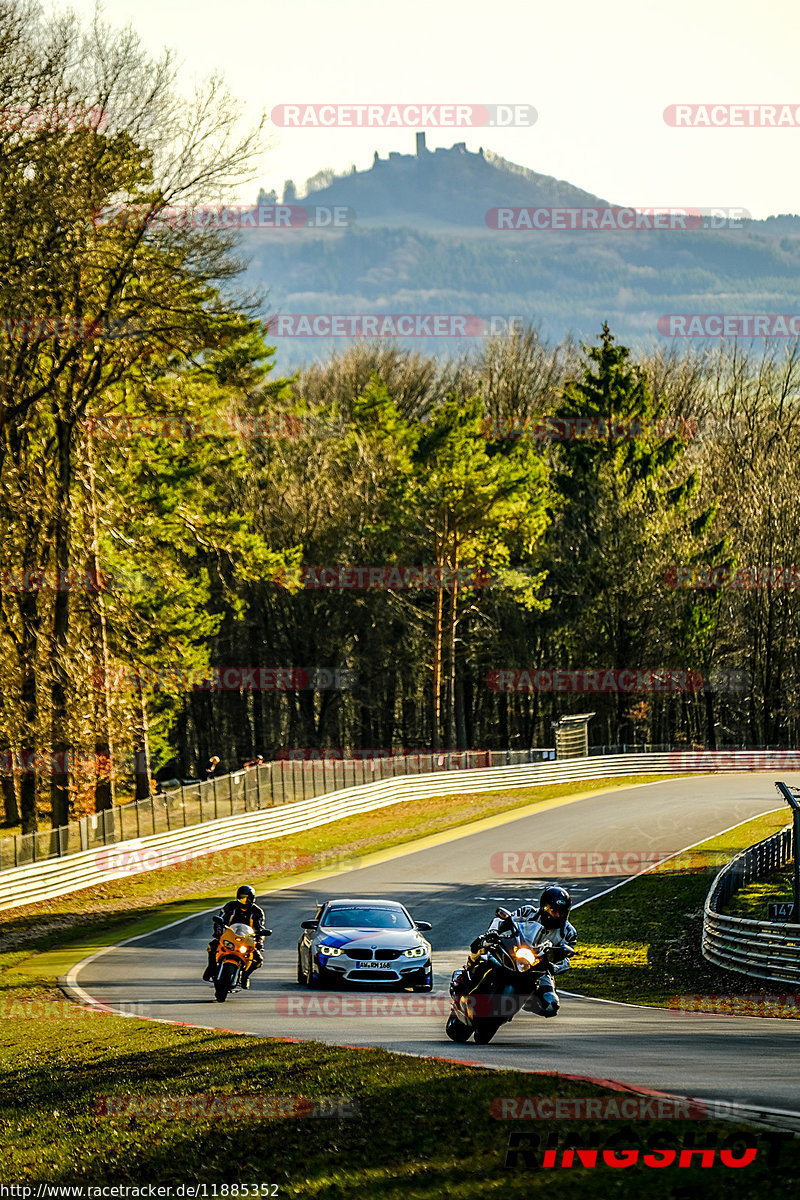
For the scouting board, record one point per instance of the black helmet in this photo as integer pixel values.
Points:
(246, 895)
(554, 906)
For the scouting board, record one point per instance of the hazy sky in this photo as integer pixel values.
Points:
(598, 75)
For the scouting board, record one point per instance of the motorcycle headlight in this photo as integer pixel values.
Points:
(525, 957)
(242, 949)
(416, 952)
(330, 951)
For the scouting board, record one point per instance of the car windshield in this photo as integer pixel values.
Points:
(366, 918)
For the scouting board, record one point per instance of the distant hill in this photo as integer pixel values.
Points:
(419, 243)
(450, 187)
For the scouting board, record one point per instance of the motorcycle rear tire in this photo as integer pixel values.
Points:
(485, 1031)
(456, 1030)
(224, 981)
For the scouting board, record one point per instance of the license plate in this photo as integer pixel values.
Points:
(378, 962)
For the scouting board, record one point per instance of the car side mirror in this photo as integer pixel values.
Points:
(423, 926)
(309, 924)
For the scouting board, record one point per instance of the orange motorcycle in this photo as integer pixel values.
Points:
(237, 944)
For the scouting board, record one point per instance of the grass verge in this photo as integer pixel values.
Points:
(423, 1128)
(752, 901)
(640, 943)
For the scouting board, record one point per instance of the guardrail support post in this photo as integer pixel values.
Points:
(791, 800)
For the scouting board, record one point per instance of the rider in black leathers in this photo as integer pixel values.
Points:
(552, 913)
(243, 910)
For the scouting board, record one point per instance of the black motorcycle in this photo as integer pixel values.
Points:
(500, 983)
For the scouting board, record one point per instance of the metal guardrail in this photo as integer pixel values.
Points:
(766, 950)
(279, 782)
(286, 781)
(60, 876)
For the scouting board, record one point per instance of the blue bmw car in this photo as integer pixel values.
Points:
(364, 941)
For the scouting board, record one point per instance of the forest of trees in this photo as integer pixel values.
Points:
(164, 498)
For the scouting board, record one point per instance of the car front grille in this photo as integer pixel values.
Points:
(368, 955)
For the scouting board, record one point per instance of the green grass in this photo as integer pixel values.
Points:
(423, 1130)
(752, 901)
(641, 942)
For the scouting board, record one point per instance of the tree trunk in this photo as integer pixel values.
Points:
(451, 685)
(59, 741)
(438, 639)
(9, 790)
(29, 612)
(104, 787)
(142, 745)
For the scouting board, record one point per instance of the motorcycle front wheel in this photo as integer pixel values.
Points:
(456, 1030)
(224, 981)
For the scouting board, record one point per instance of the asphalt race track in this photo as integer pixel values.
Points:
(748, 1060)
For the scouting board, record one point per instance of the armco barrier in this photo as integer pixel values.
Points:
(58, 877)
(281, 782)
(765, 950)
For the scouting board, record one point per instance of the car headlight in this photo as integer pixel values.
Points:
(330, 951)
(416, 952)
